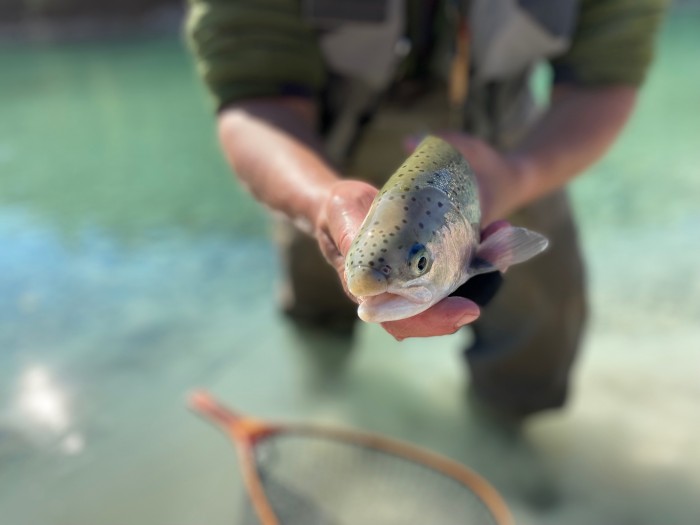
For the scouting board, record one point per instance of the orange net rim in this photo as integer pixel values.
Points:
(245, 432)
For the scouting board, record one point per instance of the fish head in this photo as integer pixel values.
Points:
(408, 254)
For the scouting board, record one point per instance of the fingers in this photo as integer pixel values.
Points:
(468, 145)
(493, 228)
(411, 142)
(458, 139)
(446, 317)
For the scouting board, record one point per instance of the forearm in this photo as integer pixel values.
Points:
(578, 128)
(273, 149)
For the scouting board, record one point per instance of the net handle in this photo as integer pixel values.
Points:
(244, 432)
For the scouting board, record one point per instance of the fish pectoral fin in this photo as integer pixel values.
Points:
(479, 266)
(506, 247)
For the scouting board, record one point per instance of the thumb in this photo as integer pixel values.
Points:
(410, 142)
(347, 209)
(341, 218)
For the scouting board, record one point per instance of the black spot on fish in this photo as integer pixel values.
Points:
(413, 199)
(420, 225)
(371, 263)
(439, 204)
(429, 197)
(405, 208)
(427, 212)
(404, 221)
(381, 259)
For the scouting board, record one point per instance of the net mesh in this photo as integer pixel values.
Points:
(317, 480)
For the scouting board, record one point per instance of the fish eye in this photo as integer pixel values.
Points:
(419, 259)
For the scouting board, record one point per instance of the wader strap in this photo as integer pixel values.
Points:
(458, 81)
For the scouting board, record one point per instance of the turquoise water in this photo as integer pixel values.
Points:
(132, 269)
(115, 136)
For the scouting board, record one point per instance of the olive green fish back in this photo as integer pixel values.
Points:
(436, 163)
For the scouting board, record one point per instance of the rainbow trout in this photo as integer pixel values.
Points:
(420, 240)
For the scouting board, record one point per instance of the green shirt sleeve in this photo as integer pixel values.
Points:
(253, 48)
(612, 44)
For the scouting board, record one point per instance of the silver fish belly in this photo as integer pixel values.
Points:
(420, 235)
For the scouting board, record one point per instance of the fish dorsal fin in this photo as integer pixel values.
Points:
(504, 248)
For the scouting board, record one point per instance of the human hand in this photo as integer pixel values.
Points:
(338, 222)
(501, 177)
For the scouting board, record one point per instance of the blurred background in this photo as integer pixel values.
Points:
(132, 269)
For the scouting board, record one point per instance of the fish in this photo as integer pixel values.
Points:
(421, 238)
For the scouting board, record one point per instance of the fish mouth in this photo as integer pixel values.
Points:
(392, 306)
